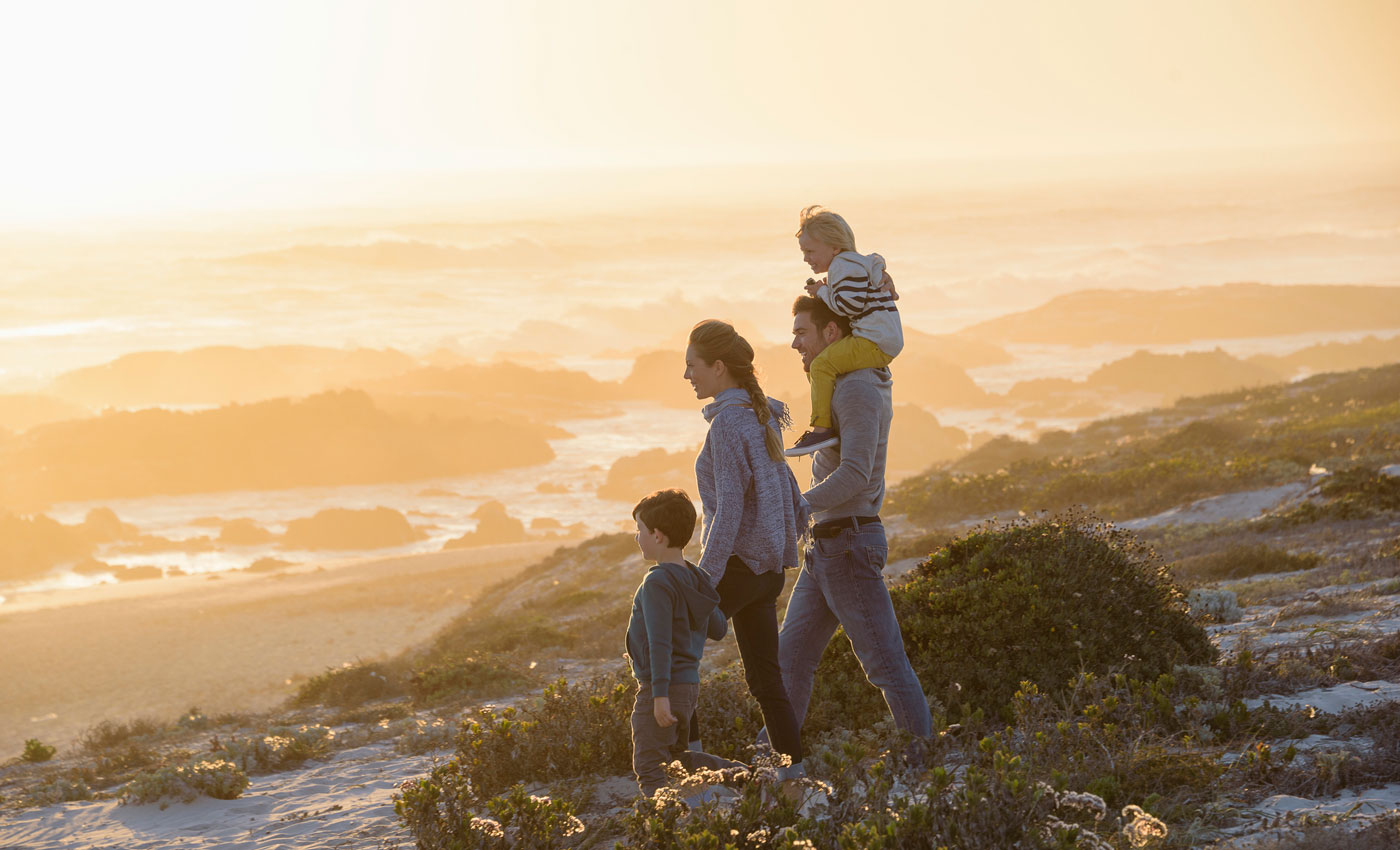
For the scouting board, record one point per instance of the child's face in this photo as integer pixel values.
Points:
(817, 255)
(652, 543)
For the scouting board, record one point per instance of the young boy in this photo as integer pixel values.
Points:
(674, 609)
(856, 287)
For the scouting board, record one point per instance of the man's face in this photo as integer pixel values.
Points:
(808, 340)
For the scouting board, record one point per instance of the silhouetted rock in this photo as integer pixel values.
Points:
(917, 441)
(632, 477)
(19, 412)
(1209, 312)
(31, 546)
(101, 525)
(330, 439)
(1332, 357)
(244, 532)
(267, 565)
(1176, 375)
(224, 374)
(92, 567)
(345, 528)
(140, 573)
(494, 525)
(544, 523)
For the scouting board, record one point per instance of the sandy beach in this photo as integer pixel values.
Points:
(230, 644)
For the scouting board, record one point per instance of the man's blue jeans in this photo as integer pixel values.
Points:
(842, 584)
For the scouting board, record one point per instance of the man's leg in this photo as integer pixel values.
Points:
(808, 627)
(852, 573)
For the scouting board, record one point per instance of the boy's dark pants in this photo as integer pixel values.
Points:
(655, 746)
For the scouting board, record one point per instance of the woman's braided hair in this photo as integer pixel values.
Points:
(715, 340)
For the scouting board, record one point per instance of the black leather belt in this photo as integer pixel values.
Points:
(832, 527)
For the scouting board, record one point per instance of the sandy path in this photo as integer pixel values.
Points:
(224, 645)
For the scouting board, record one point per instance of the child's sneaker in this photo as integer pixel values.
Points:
(812, 442)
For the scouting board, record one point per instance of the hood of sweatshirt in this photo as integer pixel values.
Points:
(698, 596)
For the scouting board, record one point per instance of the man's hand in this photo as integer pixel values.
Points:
(813, 285)
(887, 284)
(661, 710)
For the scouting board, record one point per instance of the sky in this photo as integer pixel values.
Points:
(144, 106)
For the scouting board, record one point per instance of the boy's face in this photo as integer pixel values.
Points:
(817, 255)
(652, 543)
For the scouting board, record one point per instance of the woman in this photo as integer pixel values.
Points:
(753, 510)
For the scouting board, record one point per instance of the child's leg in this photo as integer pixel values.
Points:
(651, 744)
(846, 354)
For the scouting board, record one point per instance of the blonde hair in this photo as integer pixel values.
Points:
(827, 227)
(715, 340)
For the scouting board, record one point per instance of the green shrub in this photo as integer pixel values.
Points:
(571, 730)
(1347, 494)
(455, 676)
(344, 687)
(1035, 600)
(61, 789)
(1240, 561)
(520, 820)
(37, 751)
(282, 748)
(220, 779)
(110, 734)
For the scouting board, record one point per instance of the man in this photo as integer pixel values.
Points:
(842, 583)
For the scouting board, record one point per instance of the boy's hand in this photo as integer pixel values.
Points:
(661, 710)
(887, 285)
(813, 285)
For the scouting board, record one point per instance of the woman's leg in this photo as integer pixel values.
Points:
(751, 601)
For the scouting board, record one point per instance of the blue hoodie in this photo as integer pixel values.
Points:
(674, 609)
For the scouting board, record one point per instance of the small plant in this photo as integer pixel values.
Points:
(110, 734)
(456, 676)
(348, 686)
(282, 748)
(61, 789)
(1241, 561)
(37, 751)
(220, 779)
(1217, 606)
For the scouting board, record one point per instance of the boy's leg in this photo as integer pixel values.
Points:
(684, 696)
(846, 354)
(651, 744)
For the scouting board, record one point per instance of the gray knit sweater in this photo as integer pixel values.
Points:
(752, 505)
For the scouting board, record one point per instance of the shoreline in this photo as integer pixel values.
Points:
(239, 644)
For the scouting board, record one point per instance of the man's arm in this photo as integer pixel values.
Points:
(857, 407)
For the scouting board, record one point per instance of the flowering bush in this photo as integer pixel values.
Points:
(218, 778)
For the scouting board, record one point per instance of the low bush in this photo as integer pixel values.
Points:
(110, 734)
(37, 751)
(457, 676)
(518, 820)
(282, 748)
(1217, 606)
(344, 687)
(1036, 600)
(1241, 561)
(61, 789)
(220, 779)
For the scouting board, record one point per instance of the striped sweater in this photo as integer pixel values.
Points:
(852, 289)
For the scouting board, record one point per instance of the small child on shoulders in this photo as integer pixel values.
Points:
(674, 610)
(856, 286)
